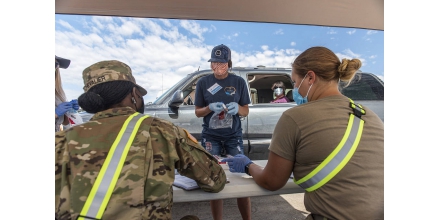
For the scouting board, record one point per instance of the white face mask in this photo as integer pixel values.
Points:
(278, 91)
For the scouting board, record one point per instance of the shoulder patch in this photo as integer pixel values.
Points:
(190, 136)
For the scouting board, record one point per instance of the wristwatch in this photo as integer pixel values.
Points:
(246, 168)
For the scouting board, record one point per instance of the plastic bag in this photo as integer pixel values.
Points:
(74, 118)
(221, 120)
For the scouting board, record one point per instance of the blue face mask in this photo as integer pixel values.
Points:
(298, 97)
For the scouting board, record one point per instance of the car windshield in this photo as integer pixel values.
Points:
(170, 90)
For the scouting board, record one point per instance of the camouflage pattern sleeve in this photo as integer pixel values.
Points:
(62, 184)
(196, 163)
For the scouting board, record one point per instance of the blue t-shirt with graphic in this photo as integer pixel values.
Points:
(230, 89)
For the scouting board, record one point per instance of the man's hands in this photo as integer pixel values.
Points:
(237, 163)
(216, 107)
(232, 108)
(62, 108)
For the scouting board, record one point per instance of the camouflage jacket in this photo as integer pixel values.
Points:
(144, 188)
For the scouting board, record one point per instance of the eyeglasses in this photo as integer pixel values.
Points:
(57, 65)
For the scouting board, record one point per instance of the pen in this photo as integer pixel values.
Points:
(224, 107)
(239, 151)
(219, 159)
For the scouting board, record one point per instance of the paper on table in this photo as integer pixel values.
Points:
(185, 182)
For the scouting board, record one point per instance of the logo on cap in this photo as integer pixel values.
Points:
(218, 52)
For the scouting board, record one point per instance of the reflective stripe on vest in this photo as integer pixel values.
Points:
(339, 156)
(108, 175)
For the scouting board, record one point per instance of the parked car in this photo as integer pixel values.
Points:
(177, 103)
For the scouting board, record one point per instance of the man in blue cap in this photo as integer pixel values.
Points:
(221, 98)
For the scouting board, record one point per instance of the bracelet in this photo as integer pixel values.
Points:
(246, 168)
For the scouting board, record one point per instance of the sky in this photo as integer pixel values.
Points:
(160, 52)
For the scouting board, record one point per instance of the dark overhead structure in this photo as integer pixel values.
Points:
(365, 14)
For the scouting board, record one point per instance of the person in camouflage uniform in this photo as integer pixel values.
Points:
(144, 187)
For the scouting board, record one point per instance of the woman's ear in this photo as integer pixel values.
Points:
(133, 92)
(312, 77)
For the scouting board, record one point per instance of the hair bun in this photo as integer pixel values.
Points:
(343, 66)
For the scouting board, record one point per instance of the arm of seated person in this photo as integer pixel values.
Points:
(274, 175)
(196, 163)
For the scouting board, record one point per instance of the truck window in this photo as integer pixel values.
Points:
(260, 86)
(190, 94)
(364, 87)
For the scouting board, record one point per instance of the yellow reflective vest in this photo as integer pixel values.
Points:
(340, 156)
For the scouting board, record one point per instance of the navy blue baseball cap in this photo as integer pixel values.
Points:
(63, 62)
(221, 54)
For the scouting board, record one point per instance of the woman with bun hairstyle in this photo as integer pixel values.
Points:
(333, 146)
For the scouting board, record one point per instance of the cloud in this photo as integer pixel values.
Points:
(66, 25)
(162, 51)
(381, 77)
(372, 56)
(232, 36)
(331, 32)
(349, 54)
(279, 32)
(194, 28)
(370, 32)
(158, 51)
(351, 32)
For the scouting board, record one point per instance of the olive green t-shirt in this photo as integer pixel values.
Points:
(308, 133)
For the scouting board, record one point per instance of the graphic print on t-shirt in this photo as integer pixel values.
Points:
(230, 90)
(214, 88)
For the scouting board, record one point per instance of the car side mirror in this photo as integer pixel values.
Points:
(176, 99)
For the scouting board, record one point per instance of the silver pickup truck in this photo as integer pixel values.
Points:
(176, 104)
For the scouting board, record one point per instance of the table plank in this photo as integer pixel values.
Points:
(241, 185)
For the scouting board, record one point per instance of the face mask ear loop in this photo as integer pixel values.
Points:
(302, 81)
(307, 90)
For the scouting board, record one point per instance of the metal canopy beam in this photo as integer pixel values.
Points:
(366, 14)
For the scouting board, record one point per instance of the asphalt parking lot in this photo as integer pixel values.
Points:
(286, 206)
